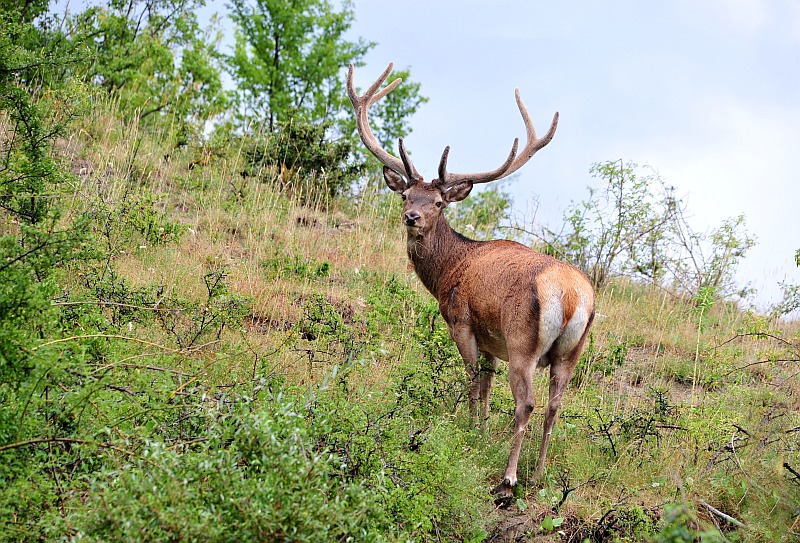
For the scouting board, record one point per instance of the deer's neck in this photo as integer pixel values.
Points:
(435, 253)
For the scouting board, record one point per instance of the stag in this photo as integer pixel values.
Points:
(500, 299)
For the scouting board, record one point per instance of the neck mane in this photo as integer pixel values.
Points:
(437, 251)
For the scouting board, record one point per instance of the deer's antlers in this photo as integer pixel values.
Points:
(514, 161)
(361, 105)
(403, 165)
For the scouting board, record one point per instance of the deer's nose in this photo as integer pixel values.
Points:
(410, 218)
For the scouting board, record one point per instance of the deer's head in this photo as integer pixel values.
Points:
(423, 202)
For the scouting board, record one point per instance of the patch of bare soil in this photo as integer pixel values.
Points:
(512, 528)
(519, 527)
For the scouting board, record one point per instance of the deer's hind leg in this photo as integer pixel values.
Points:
(487, 368)
(520, 375)
(562, 367)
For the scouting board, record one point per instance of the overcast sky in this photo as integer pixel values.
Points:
(707, 92)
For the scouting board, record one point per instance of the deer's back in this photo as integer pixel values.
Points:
(516, 299)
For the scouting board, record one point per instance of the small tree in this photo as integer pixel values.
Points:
(21, 12)
(637, 227)
(304, 155)
(791, 295)
(619, 230)
(35, 109)
(153, 55)
(289, 56)
(707, 262)
(289, 63)
(480, 215)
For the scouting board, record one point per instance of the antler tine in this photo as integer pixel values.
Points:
(411, 172)
(385, 90)
(351, 89)
(442, 168)
(514, 161)
(361, 105)
(447, 180)
(533, 144)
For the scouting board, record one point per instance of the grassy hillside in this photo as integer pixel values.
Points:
(223, 363)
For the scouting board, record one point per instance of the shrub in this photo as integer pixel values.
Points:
(260, 472)
(480, 215)
(619, 230)
(304, 160)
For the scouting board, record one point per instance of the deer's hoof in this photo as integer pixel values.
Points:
(503, 494)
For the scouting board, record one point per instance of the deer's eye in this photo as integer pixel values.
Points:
(438, 204)
(403, 197)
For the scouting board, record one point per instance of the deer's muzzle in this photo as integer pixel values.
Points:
(410, 218)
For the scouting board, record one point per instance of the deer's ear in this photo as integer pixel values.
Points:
(457, 192)
(394, 180)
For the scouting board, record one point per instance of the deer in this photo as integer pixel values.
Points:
(500, 299)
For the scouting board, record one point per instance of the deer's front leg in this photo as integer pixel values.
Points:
(468, 348)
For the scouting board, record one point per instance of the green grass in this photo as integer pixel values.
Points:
(231, 365)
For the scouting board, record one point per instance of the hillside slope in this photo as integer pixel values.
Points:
(224, 363)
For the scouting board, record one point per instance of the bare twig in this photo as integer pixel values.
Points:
(759, 362)
(124, 364)
(566, 490)
(535, 235)
(760, 335)
(128, 338)
(728, 447)
(745, 432)
(196, 377)
(791, 470)
(721, 515)
(108, 336)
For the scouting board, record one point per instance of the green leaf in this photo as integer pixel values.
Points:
(549, 523)
(478, 536)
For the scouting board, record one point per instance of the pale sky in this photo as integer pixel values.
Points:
(707, 92)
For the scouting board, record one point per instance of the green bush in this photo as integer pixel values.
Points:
(275, 467)
(481, 214)
(260, 472)
(305, 160)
